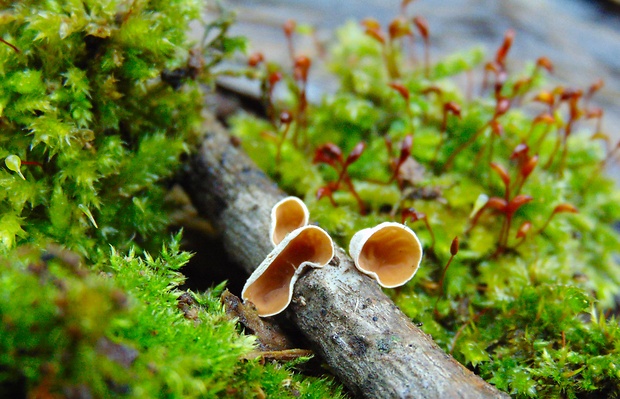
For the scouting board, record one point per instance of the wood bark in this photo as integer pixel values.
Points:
(375, 350)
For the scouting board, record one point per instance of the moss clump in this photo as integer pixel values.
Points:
(528, 301)
(125, 331)
(84, 111)
(98, 102)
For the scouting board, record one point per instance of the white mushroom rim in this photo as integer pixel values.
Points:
(270, 287)
(287, 215)
(389, 252)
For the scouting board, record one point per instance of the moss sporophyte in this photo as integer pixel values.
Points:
(513, 168)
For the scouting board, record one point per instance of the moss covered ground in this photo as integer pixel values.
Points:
(506, 176)
(99, 101)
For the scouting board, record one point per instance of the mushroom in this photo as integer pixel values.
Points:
(287, 215)
(270, 287)
(389, 252)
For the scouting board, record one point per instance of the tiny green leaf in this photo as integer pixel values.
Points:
(88, 214)
(479, 204)
(14, 163)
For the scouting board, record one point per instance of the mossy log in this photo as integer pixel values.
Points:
(375, 350)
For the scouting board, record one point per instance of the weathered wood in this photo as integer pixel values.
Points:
(374, 349)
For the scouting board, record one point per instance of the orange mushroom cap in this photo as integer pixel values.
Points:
(286, 216)
(390, 252)
(270, 287)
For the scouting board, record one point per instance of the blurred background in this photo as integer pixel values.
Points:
(580, 37)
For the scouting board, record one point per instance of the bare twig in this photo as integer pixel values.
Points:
(374, 349)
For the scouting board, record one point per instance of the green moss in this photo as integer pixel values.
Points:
(119, 331)
(526, 314)
(98, 102)
(85, 111)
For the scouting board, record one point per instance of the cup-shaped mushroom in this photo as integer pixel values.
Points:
(270, 287)
(286, 216)
(389, 252)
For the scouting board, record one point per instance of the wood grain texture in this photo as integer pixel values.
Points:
(375, 350)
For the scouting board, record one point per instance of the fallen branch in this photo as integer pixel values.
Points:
(375, 350)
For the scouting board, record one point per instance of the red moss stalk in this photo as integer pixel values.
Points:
(454, 249)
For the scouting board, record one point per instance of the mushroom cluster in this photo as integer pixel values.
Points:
(297, 245)
(390, 253)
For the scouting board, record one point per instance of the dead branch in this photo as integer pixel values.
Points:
(375, 350)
